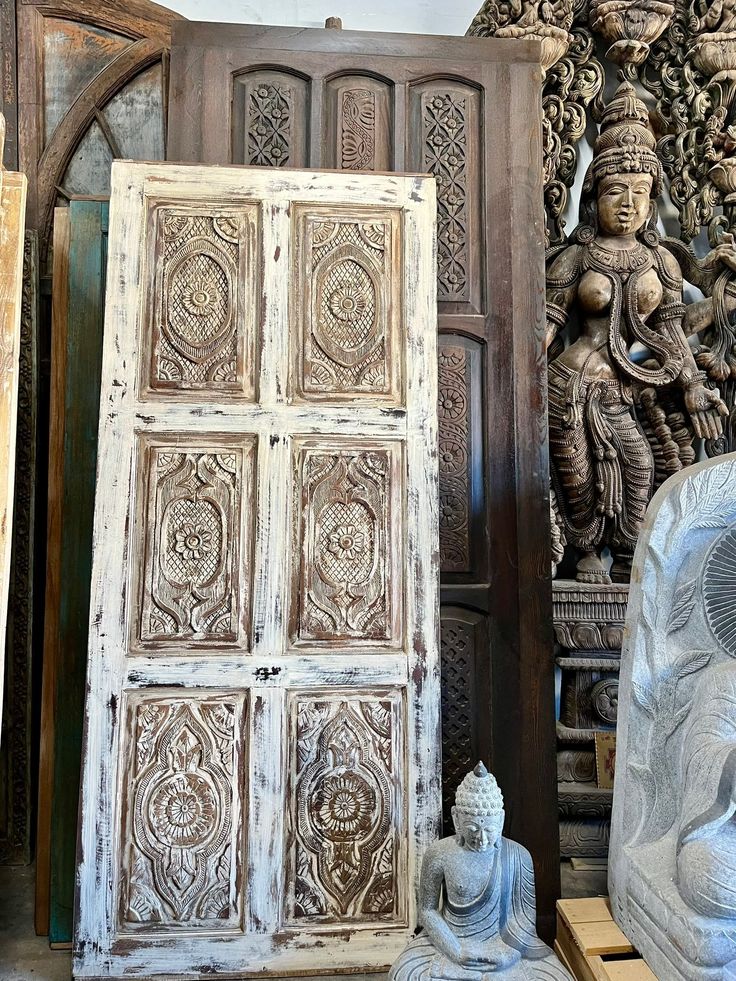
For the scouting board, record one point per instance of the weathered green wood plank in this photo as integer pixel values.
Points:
(87, 262)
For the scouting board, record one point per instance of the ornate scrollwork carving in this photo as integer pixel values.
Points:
(347, 811)
(183, 779)
(348, 544)
(193, 568)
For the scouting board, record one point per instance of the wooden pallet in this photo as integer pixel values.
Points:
(592, 947)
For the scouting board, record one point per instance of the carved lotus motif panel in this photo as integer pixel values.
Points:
(269, 112)
(195, 534)
(358, 121)
(202, 265)
(183, 812)
(349, 533)
(349, 303)
(347, 810)
(450, 138)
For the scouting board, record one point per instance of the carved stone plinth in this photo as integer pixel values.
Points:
(588, 623)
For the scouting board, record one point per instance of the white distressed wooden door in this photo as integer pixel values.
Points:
(261, 761)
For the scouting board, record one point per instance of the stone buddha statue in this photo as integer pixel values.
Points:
(476, 900)
(621, 290)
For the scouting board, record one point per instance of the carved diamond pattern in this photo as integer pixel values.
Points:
(181, 786)
(457, 653)
(269, 131)
(445, 156)
(346, 809)
(454, 458)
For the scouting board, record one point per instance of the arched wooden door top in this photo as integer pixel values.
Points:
(128, 39)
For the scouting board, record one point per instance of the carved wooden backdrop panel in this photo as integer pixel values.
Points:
(463, 110)
(263, 711)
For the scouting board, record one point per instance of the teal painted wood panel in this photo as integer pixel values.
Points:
(87, 265)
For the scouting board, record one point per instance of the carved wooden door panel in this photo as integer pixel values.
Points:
(463, 109)
(261, 766)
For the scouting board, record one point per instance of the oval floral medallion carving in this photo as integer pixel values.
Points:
(193, 531)
(347, 320)
(198, 307)
(719, 590)
(181, 801)
(344, 800)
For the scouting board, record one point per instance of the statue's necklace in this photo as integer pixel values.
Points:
(622, 261)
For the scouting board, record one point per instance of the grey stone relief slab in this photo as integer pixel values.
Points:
(672, 861)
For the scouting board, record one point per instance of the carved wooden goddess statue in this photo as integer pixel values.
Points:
(626, 289)
(476, 900)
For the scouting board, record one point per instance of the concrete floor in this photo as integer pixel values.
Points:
(26, 957)
(23, 955)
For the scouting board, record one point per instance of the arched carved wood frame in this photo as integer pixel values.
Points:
(146, 24)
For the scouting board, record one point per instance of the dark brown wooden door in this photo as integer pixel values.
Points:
(468, 111)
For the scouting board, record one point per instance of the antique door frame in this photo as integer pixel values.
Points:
(269, 665)
(146, 23)
(505, 605)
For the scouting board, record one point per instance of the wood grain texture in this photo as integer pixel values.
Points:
(463, 109)
(250, 807)
(86, 287)
(12, 228)
(60, 322)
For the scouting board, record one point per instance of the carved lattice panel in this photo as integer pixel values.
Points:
(462, 510)
(449, 127)
(462, 640)
(349, 305)
(195, 532)
(347, 809)
(204, 305)
(239, 543)
(348, 542)
(183, 813)
(268, 118)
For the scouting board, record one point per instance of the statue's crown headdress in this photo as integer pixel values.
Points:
(626, 142)
(479, 794)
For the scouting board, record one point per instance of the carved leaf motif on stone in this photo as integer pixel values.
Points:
(682, 605)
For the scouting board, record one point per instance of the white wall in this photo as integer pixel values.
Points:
(408, 16)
